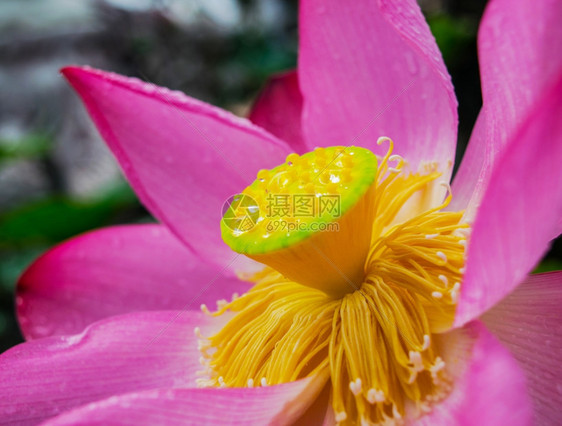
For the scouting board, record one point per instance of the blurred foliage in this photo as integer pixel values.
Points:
(548, 265)
(453, 35)
(56, 218)
(32, 146)
(257, 56)
(456, 37)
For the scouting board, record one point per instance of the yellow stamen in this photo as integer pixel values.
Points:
(375, 338)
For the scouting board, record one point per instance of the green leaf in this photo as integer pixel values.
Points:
(453, 35)
(13, 263)
(33, 145)
(57, 218)
(548, 265)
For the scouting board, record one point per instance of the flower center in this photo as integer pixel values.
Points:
(361, 301)
(329, 189)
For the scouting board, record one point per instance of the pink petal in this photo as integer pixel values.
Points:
(529, 323)
(129, 353)
(520, 210)
(114, 271)
(374, 70)
(489, 387)
(281, 404)
(520, 55)
(278, 110)
(184, 158)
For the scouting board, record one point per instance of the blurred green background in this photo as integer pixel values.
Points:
(57, 179)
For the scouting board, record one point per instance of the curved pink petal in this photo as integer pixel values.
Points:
(184, 158)
(489, 386)
(281, 404)
(520, 55)
(374, 70)
(529, 323)
(278, 110)
(520, 210)
(129, 353)
(114, 271)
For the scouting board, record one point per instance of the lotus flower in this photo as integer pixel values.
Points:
(447, 327)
